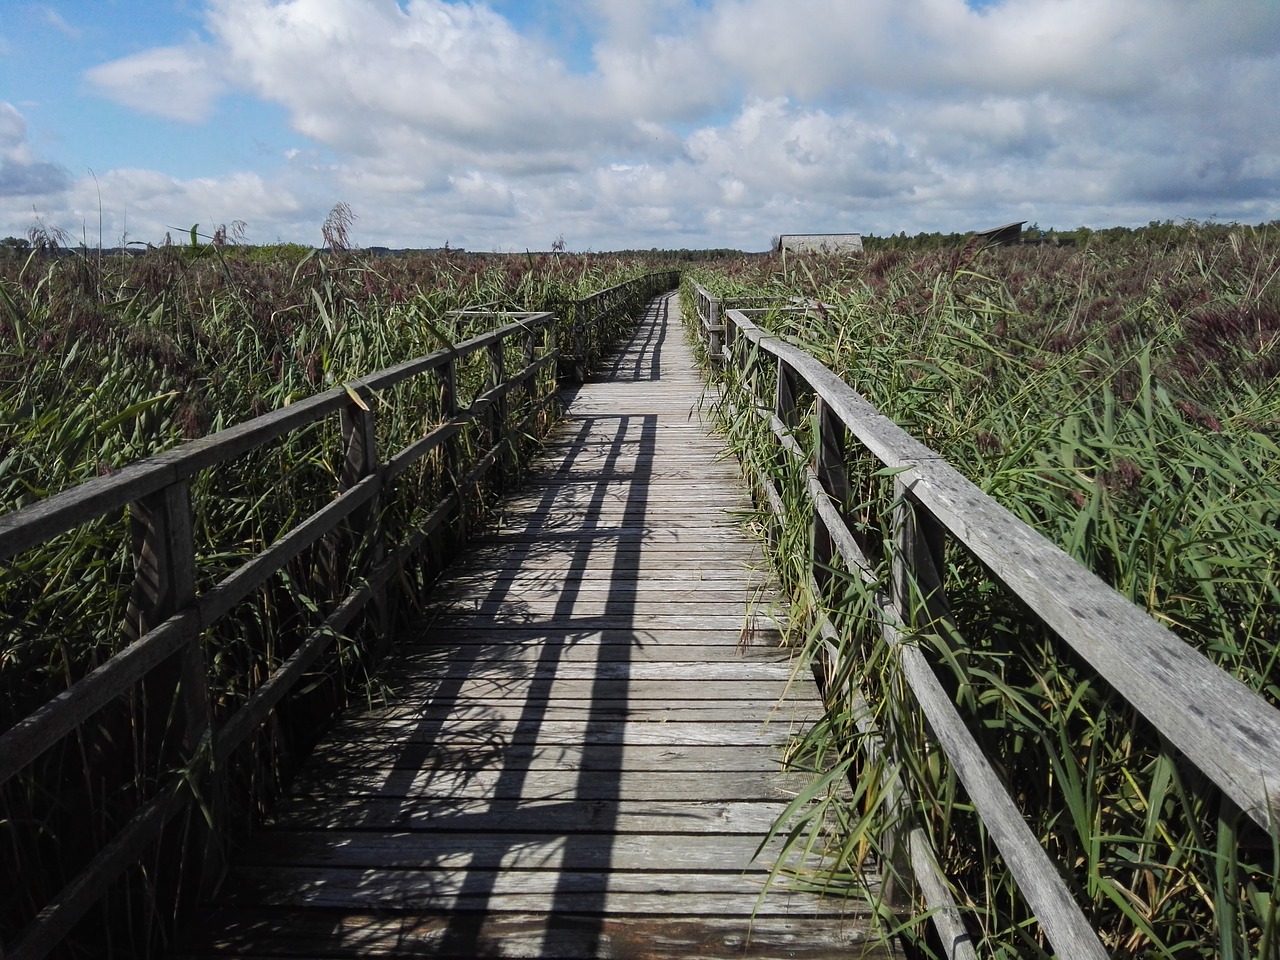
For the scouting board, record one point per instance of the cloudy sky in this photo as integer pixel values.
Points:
(506, 124)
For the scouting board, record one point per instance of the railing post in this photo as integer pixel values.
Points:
(497, 415)
(581, 342)
(918, 601)
(552, 346)
(731, 350)
(784, 408)
(828, 465)
(749, 362)
(715, 331)
(447, 381)
(784, 396)
(360, 460)
(164, 560)
(919, 542)
(163, 557)
(529, 354)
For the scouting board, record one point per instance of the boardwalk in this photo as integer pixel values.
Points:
(579, 755)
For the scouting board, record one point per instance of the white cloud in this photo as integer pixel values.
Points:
(13, 128)
(59, 23)
(357, 76)
(775, 147)
(140, 204)
(728, 121)
(484, 195)
(178, 83)
(22, 175)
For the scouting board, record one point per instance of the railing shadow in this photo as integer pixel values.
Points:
(475, 768)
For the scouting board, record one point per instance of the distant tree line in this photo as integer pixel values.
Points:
(1158, 232)
(1161, 233)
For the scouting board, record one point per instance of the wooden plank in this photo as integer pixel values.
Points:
(751, 818)
(600, 537)
(579, 603)
(692, 473)
(626, 589)
(463, 635)
(449, 754)
(568, 649)
(728, 623)
(481, 847)
(632, 548)
(601, 610)
(711, 674)
(502, 712)
(676, 455)
(598, 732)
(536, 559)
(447, 787)
(625, 553)
(480, 688)
(651, 893)
(599, 529)
(592, 516)
(636, 433)
(276, 933)
(624, 574)
(665, 501)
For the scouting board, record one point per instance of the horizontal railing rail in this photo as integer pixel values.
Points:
(710, 311)
(1218, 723)
(522, 358)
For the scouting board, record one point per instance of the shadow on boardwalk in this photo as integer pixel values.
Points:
(580, 758)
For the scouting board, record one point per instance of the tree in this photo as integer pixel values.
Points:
(17, 246)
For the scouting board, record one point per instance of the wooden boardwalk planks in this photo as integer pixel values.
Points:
(581, 751)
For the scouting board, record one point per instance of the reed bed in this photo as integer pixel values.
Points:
(1120, 398)
(107, 359)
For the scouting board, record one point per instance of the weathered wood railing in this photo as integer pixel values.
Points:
(1226, 730)
(595, 322)
(164, 660)
(710, 309)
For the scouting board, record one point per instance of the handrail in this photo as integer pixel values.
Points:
(1229, 732)
(710, 310)
(171, 615)
(22, 529)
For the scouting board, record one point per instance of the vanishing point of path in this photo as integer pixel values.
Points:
(580, 754)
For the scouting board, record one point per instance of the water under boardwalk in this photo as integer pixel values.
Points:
(582, 750)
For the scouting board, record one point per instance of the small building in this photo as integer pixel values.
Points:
(1005, 236)
(831, 243)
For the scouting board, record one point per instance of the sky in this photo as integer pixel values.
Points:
(612, 124)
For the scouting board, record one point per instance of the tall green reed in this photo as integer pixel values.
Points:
(1118, 400)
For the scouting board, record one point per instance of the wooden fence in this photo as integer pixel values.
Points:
(1221, 726)
(594, 322)
(197, 748)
